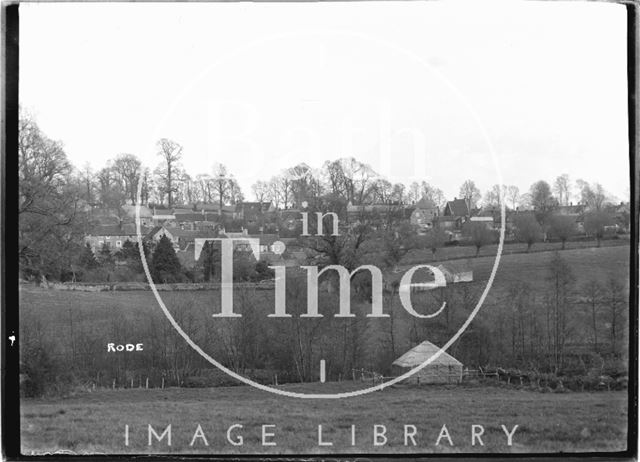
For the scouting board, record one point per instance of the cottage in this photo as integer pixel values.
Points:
(201, 221)
(424, 214)
(112, 236)
(443, 369)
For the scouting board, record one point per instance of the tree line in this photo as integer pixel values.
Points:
(54, 196)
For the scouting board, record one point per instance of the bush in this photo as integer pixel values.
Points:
(40, 373)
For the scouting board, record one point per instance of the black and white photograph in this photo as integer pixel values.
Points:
(357, 229)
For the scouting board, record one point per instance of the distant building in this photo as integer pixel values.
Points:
(112, 236)
(443, 369)
(424, 215)
(456, 208)
(156, 233)
(200, 221)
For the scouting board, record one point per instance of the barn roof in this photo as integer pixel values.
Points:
(422, 352)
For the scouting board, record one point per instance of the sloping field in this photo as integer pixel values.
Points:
(55, 313)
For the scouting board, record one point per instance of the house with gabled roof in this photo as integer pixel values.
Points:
(156, 233)
(456, 208)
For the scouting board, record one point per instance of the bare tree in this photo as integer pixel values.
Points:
(280, 191)
(495, 196)
(146, 186)
(432, 194)
(303, 183)
(470, 193)
(169, 170)
(127, 167)
(260, 190)
(562, 188)
(350, 179)
(87, 178)
(225, 187)
(513, 194)
(561, 281)
(397, 193)
(593, 297)
(382, 190)
(414, 193)
(615, 301)
(593, 196)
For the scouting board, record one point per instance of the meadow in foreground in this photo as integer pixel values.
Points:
(547, 422)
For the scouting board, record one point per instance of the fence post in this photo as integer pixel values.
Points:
(147, 384)
(114, 384)
(163, 382)
(131, 382)
(353, 374)
(276, 379)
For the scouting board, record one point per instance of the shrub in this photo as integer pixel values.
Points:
(40, 373)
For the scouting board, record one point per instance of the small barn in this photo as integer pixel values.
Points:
(444, 369)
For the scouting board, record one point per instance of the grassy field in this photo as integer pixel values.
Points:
(95, 422)
(552, 422)
(586, 264)
(57, 313)
(469, 251)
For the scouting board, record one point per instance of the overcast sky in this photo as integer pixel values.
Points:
(419, 90)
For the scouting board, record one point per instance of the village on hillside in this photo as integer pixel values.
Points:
(111, 229)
